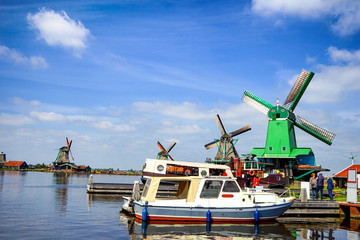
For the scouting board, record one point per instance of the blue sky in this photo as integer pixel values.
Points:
(117, 76)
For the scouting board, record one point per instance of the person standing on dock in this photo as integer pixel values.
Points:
(313, 185)
(330, 187)
(319, 186)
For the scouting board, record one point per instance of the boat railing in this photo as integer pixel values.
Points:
(287, 190)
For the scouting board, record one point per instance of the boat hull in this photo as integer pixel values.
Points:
(247, 214)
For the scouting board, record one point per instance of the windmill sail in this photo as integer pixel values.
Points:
(298, 90)
(171, 146)
(256, 102)
(240, 131)
(212, 144)
(316, 131)
(220, 124)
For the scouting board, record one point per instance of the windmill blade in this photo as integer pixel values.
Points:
(67, 142)
(256, 102)
(171, 157)
(220, 124)
(70, 144)
(298, 90)
(71, 154)
(171, 146)
(240, 131)
(211, 145)
(318, 132)
(161, 146)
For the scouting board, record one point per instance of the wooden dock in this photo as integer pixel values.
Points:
(313, 209)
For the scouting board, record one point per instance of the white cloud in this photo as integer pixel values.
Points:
(346, 13)
(344, 55)
(181, 130)
(48, 116)
(107, 125)
(58, 29)
(185, 110)
(13, 55)
(15, 120)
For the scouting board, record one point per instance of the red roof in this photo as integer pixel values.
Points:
(13, 163)
(343, 173)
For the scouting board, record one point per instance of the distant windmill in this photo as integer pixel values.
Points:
(63, 154)
(164, 154)
(281, 148)
(352, 158)
(226, 149)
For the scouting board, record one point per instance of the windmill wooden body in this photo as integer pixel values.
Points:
(281, 147)
(62, 160)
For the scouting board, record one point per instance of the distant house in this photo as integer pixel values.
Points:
(16, 165)
(341, 177)
(84, 169)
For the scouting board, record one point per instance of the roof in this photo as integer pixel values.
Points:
(343, 173)
(13, 163)
(188, 164)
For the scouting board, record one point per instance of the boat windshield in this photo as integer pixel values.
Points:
(231, 186)
(146, 187)
(211, 189)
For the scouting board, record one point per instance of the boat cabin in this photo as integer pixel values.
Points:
(202, 190)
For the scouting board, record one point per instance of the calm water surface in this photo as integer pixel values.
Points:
(37, 205)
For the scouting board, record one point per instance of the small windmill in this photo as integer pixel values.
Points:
(164, 153)
(352, 158)
(226, 149)
(281, 147)
(63, 154)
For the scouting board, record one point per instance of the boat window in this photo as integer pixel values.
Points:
(174, 190)
(173, 169)
(211, 189)
(231, 186)
(146, 187)
(216, 172)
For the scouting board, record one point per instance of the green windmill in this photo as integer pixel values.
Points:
(280, 148)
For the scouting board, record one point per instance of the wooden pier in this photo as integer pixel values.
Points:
(316, 210)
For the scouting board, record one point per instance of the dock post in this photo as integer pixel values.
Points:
(91, 179)
(303, 195)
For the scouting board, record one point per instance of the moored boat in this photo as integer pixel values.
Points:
(207, 198)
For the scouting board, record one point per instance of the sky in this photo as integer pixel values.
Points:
(118, 76)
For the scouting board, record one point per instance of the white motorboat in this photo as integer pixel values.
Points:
(206, 198)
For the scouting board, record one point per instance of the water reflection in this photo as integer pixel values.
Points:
(61, 180)
(189, 230)
(350, 224)
(269, 230)
(103, 199)
(1, 180)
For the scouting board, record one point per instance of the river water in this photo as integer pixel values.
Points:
(37, 205)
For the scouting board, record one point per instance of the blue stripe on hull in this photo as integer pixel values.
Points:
(267, 212)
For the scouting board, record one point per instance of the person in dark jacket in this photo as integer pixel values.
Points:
(247, 179)
(330, 187)
(319, 186)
